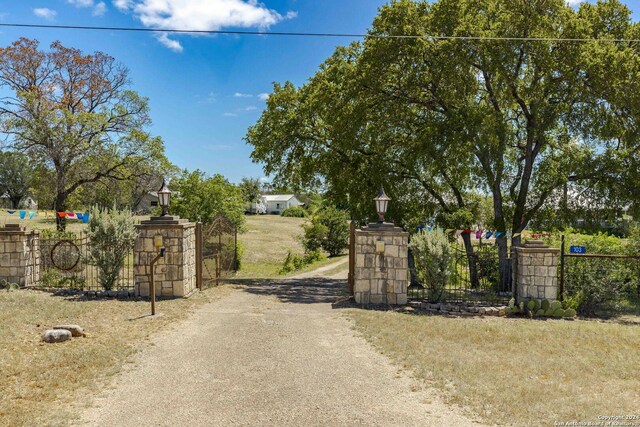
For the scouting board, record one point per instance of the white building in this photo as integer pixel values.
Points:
(276, 203)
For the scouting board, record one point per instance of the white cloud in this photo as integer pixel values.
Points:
(174, 45)
(43, 12)
(230, 115)
(100, 9)
(263, 96)
(574, 2)
(264, 179)
(201, 15)
(251, 108)
(122, 4)
(81, 3)
(242, 95)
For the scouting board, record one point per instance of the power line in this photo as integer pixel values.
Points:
(298, 34)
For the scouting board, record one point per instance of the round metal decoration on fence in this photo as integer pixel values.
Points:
(65, 255)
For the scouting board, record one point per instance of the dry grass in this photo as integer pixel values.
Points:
(516, 371)
(41, 223)
(45, 384)
(266, 242)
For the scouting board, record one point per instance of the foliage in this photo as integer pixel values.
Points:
(8, 286)
(433, 257)
(600, 243)
(297, 262)
(251, 189)
(439, 121)
(544, 308)
(199, 197)
(329, 230)
(294, 212)
(16, 176)
(74, 115)
(112, 235)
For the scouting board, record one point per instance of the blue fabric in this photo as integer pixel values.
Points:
(23, 214)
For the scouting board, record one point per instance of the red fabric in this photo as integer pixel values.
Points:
(62, 214)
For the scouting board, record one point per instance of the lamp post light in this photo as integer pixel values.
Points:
(382, 202)
(164, 198)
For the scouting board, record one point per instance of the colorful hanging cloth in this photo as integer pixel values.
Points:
(499, 233)
(23, 214)
(479, 234)
(62, 214)
(489, 234)
(71, 215)
(85, 218)
(11, 212)
(31, 214)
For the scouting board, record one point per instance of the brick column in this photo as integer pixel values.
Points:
(175, 274)
(19, 255)
(537, 271)
(380, 276)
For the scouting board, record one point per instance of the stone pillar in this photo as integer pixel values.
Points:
(175, 274)
(19, 255)
(536, 271)
(381, 265)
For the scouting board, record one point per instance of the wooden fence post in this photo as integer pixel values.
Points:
(199, 255)
(352, 256)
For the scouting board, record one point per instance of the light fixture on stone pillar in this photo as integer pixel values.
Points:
(382, 202)
(164, 198)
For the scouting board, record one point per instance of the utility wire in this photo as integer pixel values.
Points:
(296, 34)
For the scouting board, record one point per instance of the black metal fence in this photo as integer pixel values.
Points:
(66, 262)
(600, 284)
(218, 250)
(478, 278)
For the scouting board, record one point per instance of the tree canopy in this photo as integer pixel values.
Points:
(74, 114)
(16, 176)
(443, 123)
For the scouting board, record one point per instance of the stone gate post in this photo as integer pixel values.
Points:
(536, 271)
(175, 274)
(19, 255)
(381, 265)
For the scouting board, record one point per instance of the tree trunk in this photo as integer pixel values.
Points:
(503, 262)
(15, 202)
(60, 205)
(472, 260)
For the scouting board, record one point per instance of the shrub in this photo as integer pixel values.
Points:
(112, 234)
(297, 262)
(329, 230)
(294, 212)
(433, 256)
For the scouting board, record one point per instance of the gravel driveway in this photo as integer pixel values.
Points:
(272, 353)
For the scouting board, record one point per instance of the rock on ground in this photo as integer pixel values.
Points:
(76, 331)
(56, 335)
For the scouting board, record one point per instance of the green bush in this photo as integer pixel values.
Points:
(295, 262)
(329, 230)
(294, 212)
(433, 256)
(112, 234)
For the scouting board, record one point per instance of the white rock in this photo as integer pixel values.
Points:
(56, 335)
(76, 331)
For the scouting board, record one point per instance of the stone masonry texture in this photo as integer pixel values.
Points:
(19, 256)
(175, 274)
(381, 278)
(537, 272)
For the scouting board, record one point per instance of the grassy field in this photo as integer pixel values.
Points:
(44, 384)
(266, 243)
(515, 371)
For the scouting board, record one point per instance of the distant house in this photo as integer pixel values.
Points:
(148, 203)
(27, 202)
(276, 203)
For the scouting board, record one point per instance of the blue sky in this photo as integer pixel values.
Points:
(204, 91)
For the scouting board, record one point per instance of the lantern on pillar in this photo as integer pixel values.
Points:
(382, 202)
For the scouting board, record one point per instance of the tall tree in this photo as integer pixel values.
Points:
(517, 115)
(16, 176)
(74, 114)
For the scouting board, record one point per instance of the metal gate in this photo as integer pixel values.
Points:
(66, 262)
(217, 247)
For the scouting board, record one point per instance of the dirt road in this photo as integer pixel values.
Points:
(272, 353)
